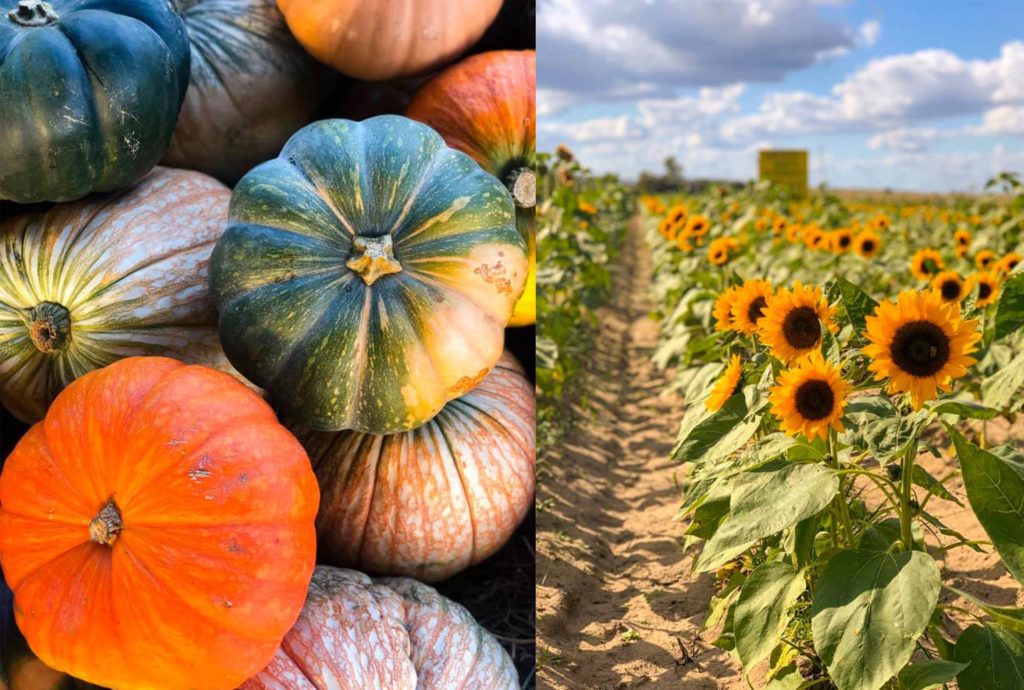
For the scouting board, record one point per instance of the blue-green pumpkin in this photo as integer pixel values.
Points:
(89, 94)
(367, 274)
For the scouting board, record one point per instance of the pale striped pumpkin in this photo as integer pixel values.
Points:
(88, 283)
(390, 633)
(430, 502)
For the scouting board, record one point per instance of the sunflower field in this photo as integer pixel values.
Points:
(850, 366)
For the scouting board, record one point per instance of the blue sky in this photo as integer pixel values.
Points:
(904, 94)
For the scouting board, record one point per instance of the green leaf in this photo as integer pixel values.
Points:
(926, 481)
(964, 408)
(769, 500)
(761, 612)
(762, 451)
(721, 433)
(869, 609)
(860, 414)
(928, 674)
(996, 657)
(890, 436)
(1011, 619)
(1010, 312)
(858, 303)
(1000, 389)
(995, 490)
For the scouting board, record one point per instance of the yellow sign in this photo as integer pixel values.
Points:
(785, 168)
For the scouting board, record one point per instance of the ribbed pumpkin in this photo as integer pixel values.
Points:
(486, 106)
(383, 39)
(89, 94)
(157, 528)
(252, 87)
(430, 502)
(356, 633)
(85, 284)
(367, 274)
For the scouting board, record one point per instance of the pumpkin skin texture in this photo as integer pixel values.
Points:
(252, 87)
(366, 275)
(430, 502)
(89, 94)
(157, 528)
(486, 107)
(393, 633)
(383, 39)
(85, 284)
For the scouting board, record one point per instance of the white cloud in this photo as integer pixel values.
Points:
(869, 32)
(904, 139)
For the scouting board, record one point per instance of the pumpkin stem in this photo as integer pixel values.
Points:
(49, 327)
(523, 185)
(33, 13)
(373, 258)
(107, 524)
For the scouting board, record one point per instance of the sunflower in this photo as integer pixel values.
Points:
(779, 226)
(793, 233)
(666, 229)
(722, 311)
(920, 343)
(840, 241)
(792, 321)
(1008, 263)
(697, 226)
(962, 238)
(988, 287)
(984, 259)
(726, 386)
(867, 244)
(950, 286)
(749, 305)
(760, 225)
(926, 264)
(813, 237)
(677, 215)
(810, 397)
(683, 242)
(880, 223)
(586, 207)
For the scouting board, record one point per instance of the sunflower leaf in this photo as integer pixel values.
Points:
(995, 489)
(762, 611)
(1000, 389)
(964, 408)
(996, 658)
(858, 304)
(1010, 312)
(929, 673)
(890, 436)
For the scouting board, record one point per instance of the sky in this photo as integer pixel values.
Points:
(900, 94)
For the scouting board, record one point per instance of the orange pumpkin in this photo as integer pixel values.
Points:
(156, 528)
(383, 39)
(430, 502)
(356, 633)
(486, 107)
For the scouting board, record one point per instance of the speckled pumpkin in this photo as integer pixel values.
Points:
(486, 107)
(367, 274)
(252, 86)
(85, 284)
(89, 94)
(157, 529)
(392, 633)
(430, 502)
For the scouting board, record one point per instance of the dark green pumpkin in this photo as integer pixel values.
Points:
(89, 94)
(367, 274)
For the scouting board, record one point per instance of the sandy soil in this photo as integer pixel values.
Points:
(617, 604)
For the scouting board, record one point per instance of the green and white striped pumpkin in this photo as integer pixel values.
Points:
(87, 283)
(367, 275)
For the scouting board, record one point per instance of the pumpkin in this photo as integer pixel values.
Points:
(356, 633)
(366, 275)
(433, 501)
(486, 106)
(252, 87)
(382, 39)
(85, 284)
(89, 94)
(157, 528)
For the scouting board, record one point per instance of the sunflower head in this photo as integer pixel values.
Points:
(722, 311)
(962, 238)
(840, 241)
(791, 326)
(987, 284)
(867, 243)
(810, 397)
(760, 225)
(727, 385)
(1008, 263)
(920, 344)
(984, 259)
(666, 228)
(880, 223)
(926, 264)
(697, 226)
(677, 215)
(779, 226)
(793, 233)
(748, 308)
(950, 287)
(813, 237)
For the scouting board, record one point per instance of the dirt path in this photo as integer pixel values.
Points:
(616, 603)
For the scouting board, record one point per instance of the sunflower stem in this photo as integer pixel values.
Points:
(906, 494)
(840, 500)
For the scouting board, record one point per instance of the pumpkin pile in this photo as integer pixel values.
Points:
(258, 260)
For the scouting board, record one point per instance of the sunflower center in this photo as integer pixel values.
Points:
(815, 400)
(802, 328)
(868, 246)
(1012, 264)
(984, 290)
(756, 309)
(950, 290)
(844, 241)
(920, 348)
